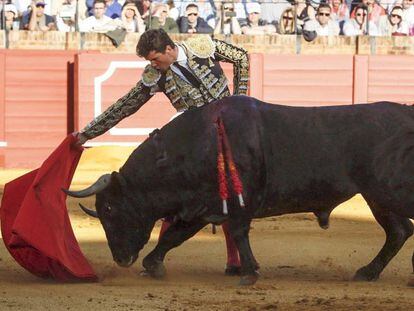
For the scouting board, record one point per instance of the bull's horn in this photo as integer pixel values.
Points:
(89, 211)
(99, 185)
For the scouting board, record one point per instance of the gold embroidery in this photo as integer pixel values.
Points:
(150, 76)
(201, 46)
(238, 56)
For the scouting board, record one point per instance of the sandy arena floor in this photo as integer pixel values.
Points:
(302, 266)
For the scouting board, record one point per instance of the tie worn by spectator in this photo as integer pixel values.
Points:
(131, 19)
(256, 26)
(36, 19)
(287, 22)
(190, 75)
(394, 24)
(99, 22)
(359, 25)
(161, 20)
(10, 16)
(227, 22)
(323, 25)
(192, 23)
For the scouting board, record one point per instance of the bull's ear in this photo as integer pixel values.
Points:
(118, 182)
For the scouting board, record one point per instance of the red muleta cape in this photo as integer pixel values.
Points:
(34, 220)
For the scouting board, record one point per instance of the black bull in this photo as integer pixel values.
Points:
(290, 159)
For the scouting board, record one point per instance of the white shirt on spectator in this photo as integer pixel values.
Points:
(330, 29)
(91, 24)
(408, 16)
(351, 28)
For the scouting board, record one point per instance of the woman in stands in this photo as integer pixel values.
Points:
(394, 24)
(131, 19)
(287, 23)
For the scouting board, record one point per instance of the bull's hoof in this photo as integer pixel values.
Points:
(154, 269)
(232, 270)
(249, 279)
(365, 274)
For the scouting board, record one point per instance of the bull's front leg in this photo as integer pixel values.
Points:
(239, 229)
(174, 236)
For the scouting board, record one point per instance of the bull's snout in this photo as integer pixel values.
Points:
(126, 262)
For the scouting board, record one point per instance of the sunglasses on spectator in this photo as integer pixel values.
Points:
(40, 5)
(324, 14)
(192, 14)
(361, 14)
(228, 8)
(288, 17)
(395, 15)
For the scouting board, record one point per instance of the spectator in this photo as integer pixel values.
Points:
(272, 10)
(173, 11)
(287, 22)
(131, 19)
(256, 26)
(161, 20)
(99, 22)
(339, 10)
(24, 6)
(36, 19)
(192, 23)
(358, 25)
(305, 11)
(65, 18)
(375, 11)
(240, 9)
(113, 9)
(227, 22)
(408, 12)
(10, 15)
(205, 10)
(323, 25)
(144, 8)
(394, 24)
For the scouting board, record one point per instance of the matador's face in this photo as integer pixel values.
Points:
(162, 61)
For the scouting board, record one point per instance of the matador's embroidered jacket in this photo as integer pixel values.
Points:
(203, 55)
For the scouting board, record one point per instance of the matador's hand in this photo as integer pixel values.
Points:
(81, 138)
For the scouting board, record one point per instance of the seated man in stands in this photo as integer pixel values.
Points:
(192, 23)
(36, 19)
(99, 22)
(323, 25)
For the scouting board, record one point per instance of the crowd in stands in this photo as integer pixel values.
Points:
(308, 17)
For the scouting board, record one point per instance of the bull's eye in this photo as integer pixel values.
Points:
(108, 207)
